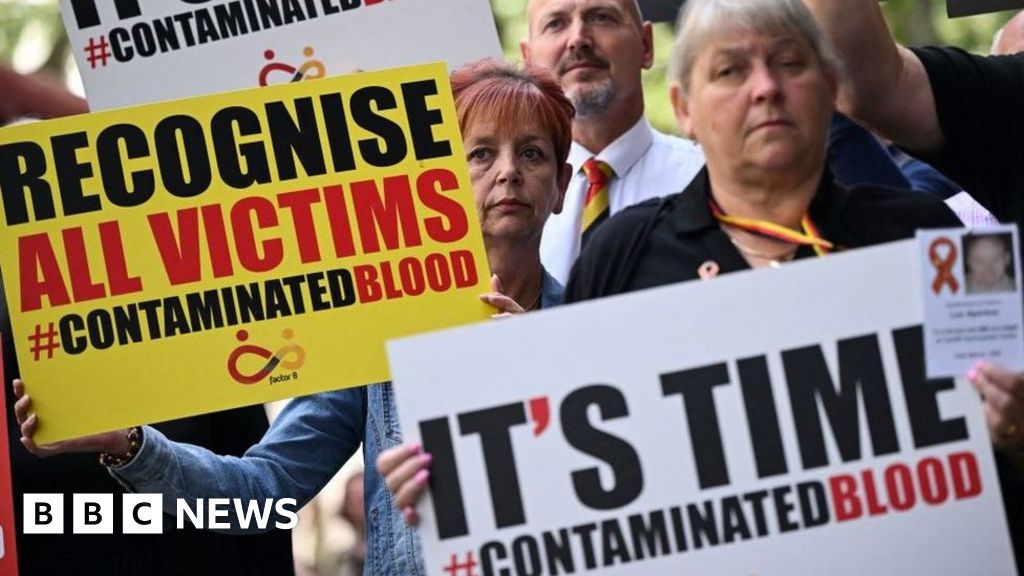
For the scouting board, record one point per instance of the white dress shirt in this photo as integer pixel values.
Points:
(647, 164)
(972, 214)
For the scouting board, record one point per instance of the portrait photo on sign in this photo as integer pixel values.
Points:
(988, 263)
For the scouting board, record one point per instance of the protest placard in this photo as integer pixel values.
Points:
(8, 549)
(219, 251)
(773, 422)
(957, 8)
(139, 51)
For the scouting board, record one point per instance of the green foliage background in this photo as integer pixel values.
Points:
(914, 22)
(22, 18)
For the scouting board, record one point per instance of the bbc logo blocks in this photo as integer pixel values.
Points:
(142, 514)
(93, 514)
(43, 513)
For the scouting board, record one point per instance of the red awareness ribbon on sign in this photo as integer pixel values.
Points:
(943, 265)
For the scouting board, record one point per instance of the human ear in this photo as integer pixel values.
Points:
(681, 108)
(647, 38)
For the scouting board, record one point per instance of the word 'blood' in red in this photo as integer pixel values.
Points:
(900, 486)
(436, 272)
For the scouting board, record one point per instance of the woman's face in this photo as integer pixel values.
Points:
(758, 104)
(516, 181)
(987, 261)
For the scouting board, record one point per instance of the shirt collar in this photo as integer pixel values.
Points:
(621, 154)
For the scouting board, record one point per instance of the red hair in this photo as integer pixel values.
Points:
(511, 95)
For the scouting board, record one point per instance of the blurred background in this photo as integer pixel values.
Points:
(32, 38)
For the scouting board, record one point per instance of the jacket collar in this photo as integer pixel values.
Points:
(693, 217)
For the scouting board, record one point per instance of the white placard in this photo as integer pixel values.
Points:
(957, 8)
(140, 51)
(972, 299)
(774, 422)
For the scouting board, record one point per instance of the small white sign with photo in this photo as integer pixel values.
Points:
(972, 299)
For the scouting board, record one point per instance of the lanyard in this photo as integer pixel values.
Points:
(809, 237)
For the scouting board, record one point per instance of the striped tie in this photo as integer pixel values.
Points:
(595, 206)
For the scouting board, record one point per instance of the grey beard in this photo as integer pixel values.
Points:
(594, 100)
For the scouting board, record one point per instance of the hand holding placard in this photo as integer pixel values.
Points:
(115, 442)
(1002, 393)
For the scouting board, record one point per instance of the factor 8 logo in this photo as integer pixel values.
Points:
(311, 69)
(290, 356)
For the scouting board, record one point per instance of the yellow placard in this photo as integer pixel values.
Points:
(201, 254)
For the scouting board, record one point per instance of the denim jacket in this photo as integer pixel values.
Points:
(305, 446)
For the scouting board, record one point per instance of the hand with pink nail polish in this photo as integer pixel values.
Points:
(1002, 395)
(406, 472)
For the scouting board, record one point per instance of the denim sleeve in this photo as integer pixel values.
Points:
(303, 449)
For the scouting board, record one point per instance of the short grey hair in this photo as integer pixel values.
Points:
(701, 20)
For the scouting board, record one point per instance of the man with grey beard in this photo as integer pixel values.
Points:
(597, 49)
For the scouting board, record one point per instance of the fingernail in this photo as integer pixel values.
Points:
(422, 476)
(415, 448)
(972, 374)
(407, 513)
(426, 458)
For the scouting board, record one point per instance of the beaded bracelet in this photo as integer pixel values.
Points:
(134, 443)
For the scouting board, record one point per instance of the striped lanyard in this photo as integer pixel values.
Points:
(809, 236)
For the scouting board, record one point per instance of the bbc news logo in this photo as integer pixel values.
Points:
(143, 513)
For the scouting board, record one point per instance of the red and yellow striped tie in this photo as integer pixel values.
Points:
(595, 206)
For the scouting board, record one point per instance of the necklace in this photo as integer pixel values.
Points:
(534, 304)
(809, 236)
(774, 260)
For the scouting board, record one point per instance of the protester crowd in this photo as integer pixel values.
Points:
(808, 131)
